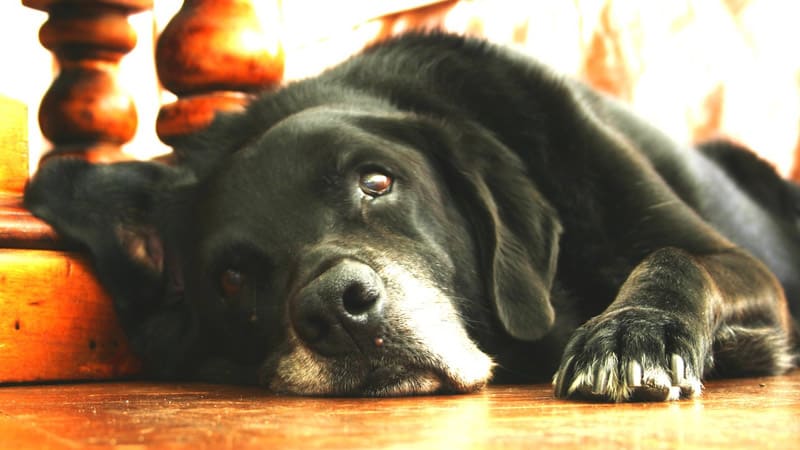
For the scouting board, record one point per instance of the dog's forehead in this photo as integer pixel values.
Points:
(289, 152)
(271, 183)
(318, 136)
(292, 164)
(307, 146)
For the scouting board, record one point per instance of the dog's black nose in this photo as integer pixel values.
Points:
(340, 310)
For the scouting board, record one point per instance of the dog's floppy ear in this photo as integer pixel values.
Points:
(523, 231)
(114, 211)
(517, 229)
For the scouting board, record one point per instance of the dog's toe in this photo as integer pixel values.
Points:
(684, 378)
(657, 383)
(632, 355)
(608, 380)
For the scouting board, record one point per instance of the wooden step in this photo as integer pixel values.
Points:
(56, 322)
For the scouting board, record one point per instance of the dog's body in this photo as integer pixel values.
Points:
(429, 214)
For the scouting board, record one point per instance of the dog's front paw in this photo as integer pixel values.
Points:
(638, 354)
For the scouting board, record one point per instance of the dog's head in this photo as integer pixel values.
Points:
(346, 251)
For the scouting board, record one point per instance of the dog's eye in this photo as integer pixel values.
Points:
(375, 184)
(231, 283)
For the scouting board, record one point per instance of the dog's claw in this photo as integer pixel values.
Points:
(601, 380)
(634, 374)
(677, 369)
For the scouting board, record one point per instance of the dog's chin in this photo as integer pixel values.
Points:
(380, 382)
(415, 383)
(301, 371)
(406, 381)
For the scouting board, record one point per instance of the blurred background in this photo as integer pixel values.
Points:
(696, 68)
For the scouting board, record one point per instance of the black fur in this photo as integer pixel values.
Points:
(529, 220)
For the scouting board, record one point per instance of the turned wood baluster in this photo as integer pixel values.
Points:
(214, 55)
(85, 113)
(794, 175)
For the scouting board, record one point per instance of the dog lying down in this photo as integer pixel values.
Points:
(434, 214)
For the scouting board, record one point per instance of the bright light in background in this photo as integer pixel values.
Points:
(690, 66)
(137, 76)
(269, 16)
(29, 68)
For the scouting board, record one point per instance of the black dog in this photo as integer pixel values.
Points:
(433, 213)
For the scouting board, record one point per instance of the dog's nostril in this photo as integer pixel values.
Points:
(358, 299)
(313, 328)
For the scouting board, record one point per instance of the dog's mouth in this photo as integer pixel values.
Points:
(401, 380)
(300, 371)
(382, 382)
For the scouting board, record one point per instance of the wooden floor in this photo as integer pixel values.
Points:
(732, 414)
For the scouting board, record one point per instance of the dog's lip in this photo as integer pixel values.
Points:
(380, 377)
(399, 380)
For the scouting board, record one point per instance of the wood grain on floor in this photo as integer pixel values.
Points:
(732, 414)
